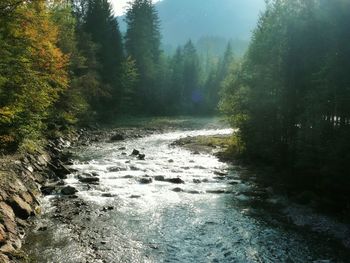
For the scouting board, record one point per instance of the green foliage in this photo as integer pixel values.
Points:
(32, 69)
(290, 96)
(63, 63)
(100, 24)
(142, 42)
(128, 81)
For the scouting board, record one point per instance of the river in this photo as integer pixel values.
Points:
(208, 218)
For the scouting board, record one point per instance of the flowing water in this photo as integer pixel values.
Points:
(209, 218)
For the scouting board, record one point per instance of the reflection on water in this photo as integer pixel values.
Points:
(209, 218)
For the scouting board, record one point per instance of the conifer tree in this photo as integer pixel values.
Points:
(101, 25)
(142, 42)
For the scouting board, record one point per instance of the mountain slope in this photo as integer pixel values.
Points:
(185, 19)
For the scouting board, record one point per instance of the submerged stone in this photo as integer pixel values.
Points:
(145, 180)
(175, 180)
(69, 190)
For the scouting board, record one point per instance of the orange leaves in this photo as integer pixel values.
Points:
(35, 71)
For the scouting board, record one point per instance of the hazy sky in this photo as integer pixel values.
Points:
(119, 6)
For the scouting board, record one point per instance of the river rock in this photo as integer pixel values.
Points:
(4, 258)
(234, 182)
(135, 152)
(8, 217)
(193, 192)
(69, 190)
(117, 137)
(220, 173)
(3, 235)
(48, 189)
(159, 178)
(7, 249)
(177, 190)
(175, 180)
(27, 197)
(116, 169)
(108, 195)
(197, 181)
(145, 180)
(128, 176)
(88, 179)
(141, 156)
(21, 208)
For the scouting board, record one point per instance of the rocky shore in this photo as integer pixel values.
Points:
(22, 180)
(25, 178)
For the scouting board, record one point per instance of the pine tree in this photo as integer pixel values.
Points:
(102, 27)
(142, 42)
(192, 94)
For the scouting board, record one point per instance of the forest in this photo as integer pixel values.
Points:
(66, 63)
(290, 96)
(174, 131)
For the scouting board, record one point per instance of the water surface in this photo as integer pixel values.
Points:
(210, 218)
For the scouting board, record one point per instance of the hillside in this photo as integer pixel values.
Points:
(227, 19)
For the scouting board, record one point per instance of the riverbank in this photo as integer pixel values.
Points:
(170, 200)
(26, 177)
(22, 180)
(304, 208)
(111, 189)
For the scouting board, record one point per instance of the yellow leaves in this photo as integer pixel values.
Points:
(35, 72)
(6, 114)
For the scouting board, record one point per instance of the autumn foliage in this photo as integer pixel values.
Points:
(33, 70)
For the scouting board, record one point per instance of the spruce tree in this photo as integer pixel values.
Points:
(101, 25)
(142, 42)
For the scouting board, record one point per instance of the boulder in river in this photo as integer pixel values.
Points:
(135, 196)
(177, 190)
(108, 195)
(48, 189)
(135, 152)
(145, 180)
(116, 169)
(197, 181)
(175, 180)
(68, 190)
(128, 176)
(141, 156)
(88, 179)
(117, 137)
(220, 173)
(160, 178)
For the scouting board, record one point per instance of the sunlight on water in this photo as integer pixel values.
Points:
(161, 160)
(205, 219)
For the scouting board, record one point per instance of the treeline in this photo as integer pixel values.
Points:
(64, 62)
(55, 66)
(290, 96)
